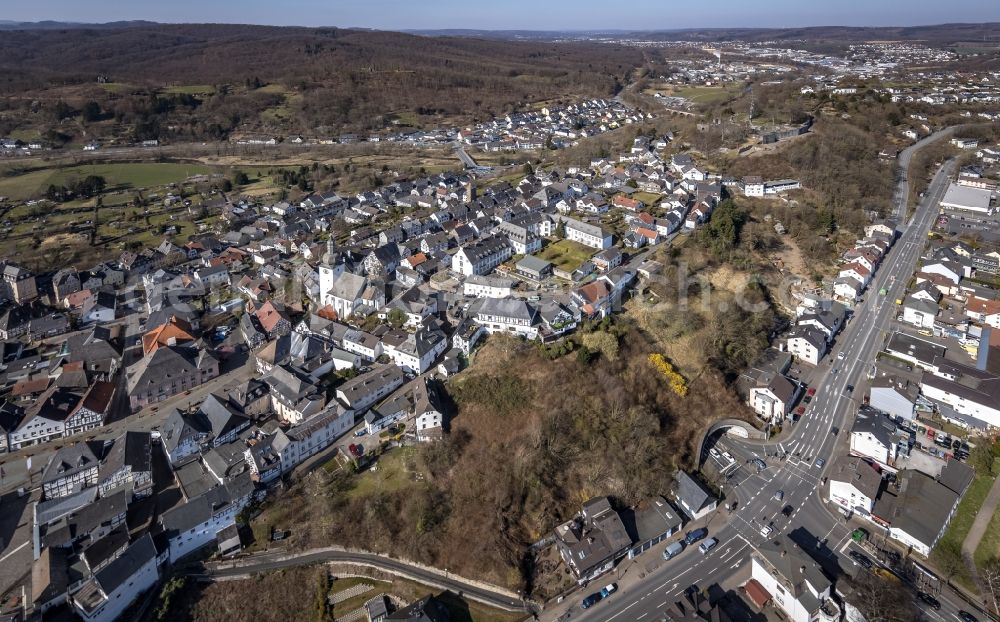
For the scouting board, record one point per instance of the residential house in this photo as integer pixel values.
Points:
(854, 485)
(807, 344)
(71, 469)
(363, 391)
(168, 371)
(692, 497)
(784, 575)
(482, 256)
(919, 513)
(772, 399)
(114, 588)
(592, 541)
(487, 287)
(651, 522)
(874, 436)
(508, 315)
(587, 234)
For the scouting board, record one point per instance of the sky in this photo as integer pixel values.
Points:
(514, 14)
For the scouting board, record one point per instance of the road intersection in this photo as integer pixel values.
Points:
(792, 464)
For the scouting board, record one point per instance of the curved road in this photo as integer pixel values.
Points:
(272, 561)
(811, 524)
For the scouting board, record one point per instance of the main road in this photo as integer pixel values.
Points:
(799, 477)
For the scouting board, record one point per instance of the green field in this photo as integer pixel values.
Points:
(125, 175)
(566, 255)
(190, 89)
(648, 198)
(118, 87)
(395, 470)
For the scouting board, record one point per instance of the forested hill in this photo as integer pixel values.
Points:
(397, 66)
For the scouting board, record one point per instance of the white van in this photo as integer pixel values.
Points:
(673, 550)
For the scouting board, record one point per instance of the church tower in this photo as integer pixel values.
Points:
(329, 269)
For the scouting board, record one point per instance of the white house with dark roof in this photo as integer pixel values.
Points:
(773, 397)
(692, 498)
(784, 575)
(853, 484)
(112, 589)
(508, 315)
(594, 236)
(806, 344)
(874, 436)
(481, 256)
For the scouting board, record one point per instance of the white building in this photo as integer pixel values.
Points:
(785, 575)
(593, 236)
(487, 287)
(418, 352)
(968, 390)
(772, 399)
(482, 256)
(113, 588)
(806, 344)
(854, 484)
(196, 523)
(508, 315)
(920, 313)
(873, 436)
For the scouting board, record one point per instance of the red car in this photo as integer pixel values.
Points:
(811, 392)
(801, 410)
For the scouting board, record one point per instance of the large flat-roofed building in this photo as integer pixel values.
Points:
(967, 199)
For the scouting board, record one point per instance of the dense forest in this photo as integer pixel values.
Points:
(204, 81)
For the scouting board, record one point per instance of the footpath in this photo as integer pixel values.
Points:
(978, 530)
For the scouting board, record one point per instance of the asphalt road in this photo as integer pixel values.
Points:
(811, 524)
(903, 186)
(435, 578)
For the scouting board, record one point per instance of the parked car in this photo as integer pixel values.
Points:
(360, 432)
(820, 462)
(778, 496)
(787, 511)
(694, 536)
(811, 392)
(707, 545)
(766, 531)
(929, 600)
(861, 559)
(591, 600)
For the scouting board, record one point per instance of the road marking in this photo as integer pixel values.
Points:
(15, 550)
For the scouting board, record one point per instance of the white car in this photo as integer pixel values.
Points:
(714, 453)
(766, 531)
(728, 456)
(840, 356)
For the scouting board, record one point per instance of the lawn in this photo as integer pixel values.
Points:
(566, 254)
(648, 198)
(395, 470)
(118, 87)
(130, 174)
(962, 522)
